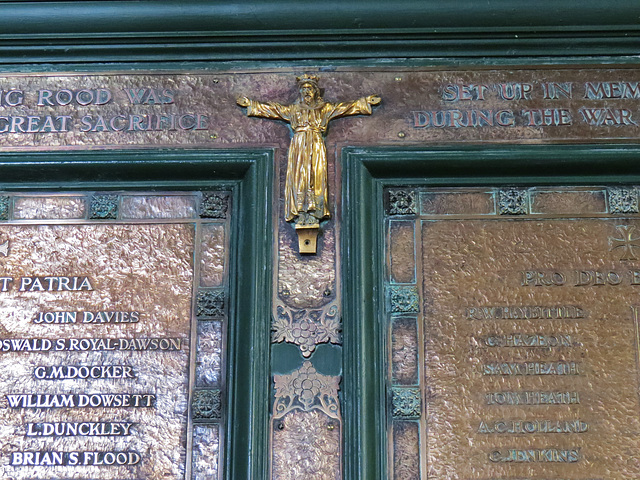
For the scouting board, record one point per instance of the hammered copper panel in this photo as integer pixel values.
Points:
(212, 255)
(306, 281)
(132, 268)
(306, 444)
(209, 354)
(452, 203)
(404, 351)
(161, 206)
(206, 452)
(402, 257)
(531, 354)
(574, 202)
(49, 207)
(406, 450)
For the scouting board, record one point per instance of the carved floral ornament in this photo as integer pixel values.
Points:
(307, 328)
(210, 303)
(306, 390)
(4, 207)
(306, 434)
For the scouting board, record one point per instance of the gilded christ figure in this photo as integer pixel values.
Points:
(306, 197)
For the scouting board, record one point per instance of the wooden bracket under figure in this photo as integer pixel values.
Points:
(307, 238)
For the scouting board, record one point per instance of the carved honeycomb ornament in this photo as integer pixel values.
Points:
(214, 205)
(404, 299)
(210, 304)
(623, 200)
(104, 207)
(206, 405)
(513, 201)
(406, 402)
(402, 202)
(4, 207)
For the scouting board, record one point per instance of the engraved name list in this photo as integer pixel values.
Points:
(531, 372)
(95, 365)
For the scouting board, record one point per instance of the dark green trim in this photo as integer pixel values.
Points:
(333, 46)
(248, 18)
(323, 66)
(214, 30)
(250, 175)
(366, 172)
(113, 169)
(248, 375)
(508, 164)
(364, 402)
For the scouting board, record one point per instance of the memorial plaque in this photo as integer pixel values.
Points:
(423, 105)
(96, 327)
(528, 325)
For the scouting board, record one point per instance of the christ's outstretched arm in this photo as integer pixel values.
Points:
(271, 110)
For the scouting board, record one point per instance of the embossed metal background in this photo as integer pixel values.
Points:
(527, 334)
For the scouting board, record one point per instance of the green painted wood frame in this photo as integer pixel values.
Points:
(214, 30)
(366, 173)
(249, 174)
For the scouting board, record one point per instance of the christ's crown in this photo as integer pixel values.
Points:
(306, 78)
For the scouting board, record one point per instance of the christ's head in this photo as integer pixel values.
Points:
(309, 93)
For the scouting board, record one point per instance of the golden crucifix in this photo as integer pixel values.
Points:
(306, 197)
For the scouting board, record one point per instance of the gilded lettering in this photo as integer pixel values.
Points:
(596, 278)
(547, 117)
(457, 92)
(525, 312)
(607, 117)
(557, 90)
(531, 368)
(607, 90)
(535, 456)
(463, 118)
(514, 91)
(519, 427)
